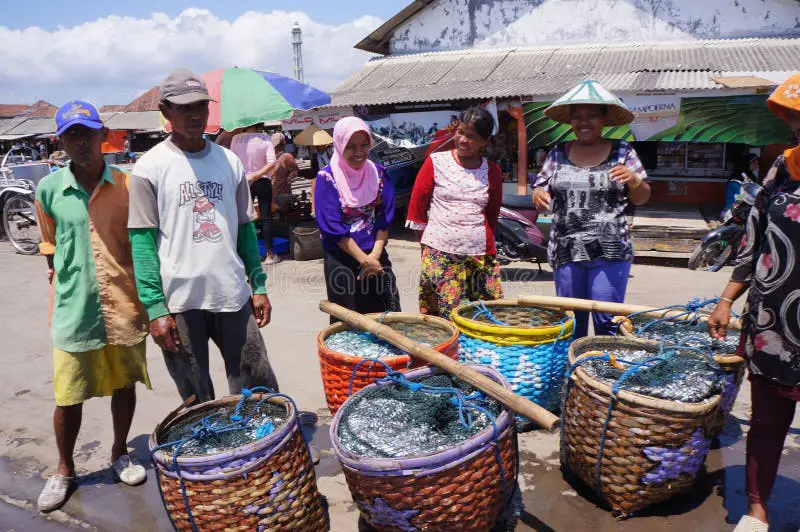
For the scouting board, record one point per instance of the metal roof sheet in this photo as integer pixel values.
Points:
(33, 126)
(553, 70)
(136, 121)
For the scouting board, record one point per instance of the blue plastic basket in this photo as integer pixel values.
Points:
(280, 246)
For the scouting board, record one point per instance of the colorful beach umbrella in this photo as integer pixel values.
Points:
(245, 97)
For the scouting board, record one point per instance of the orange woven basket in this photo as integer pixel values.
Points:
(337, 368)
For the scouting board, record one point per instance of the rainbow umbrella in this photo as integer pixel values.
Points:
(245, 97)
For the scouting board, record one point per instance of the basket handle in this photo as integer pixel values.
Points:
(172, 415)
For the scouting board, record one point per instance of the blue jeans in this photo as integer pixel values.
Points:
(601, 280)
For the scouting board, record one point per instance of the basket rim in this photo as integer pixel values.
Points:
(388, 318)
(632, 397)
(164, 458)
(401, 466)
(466, 324)
(661, 314)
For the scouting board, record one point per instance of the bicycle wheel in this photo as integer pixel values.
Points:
(19, 224)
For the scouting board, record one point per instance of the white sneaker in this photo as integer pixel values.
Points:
(55, 493)
(751, 524)
(129, 470)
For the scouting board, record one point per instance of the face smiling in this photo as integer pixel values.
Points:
(587, 122)
(356, 152)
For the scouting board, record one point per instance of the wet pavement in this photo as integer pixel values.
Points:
(27, 450)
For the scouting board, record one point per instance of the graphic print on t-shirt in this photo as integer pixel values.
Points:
(200, 195)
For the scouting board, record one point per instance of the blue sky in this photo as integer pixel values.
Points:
(50, 14)
(111, 52)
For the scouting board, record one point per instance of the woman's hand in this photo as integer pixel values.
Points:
(719, 320)
(541, 199)
(625, 176)
(370, 267)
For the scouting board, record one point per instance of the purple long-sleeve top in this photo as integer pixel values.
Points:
(362, 224)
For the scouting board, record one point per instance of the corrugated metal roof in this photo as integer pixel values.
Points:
(33, 126)
(135, 121)
(553, 70)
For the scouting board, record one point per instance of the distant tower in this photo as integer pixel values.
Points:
(297, 44)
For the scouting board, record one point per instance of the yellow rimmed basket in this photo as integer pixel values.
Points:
(533, 358)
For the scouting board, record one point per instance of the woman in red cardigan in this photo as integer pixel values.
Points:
(454, 206)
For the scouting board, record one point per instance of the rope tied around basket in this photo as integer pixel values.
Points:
(458, 400)
(205, 429)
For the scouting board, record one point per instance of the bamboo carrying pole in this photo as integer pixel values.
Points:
(617, 309)
(518, 404)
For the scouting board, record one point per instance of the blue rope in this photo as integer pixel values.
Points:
(205, 429)
(484, 312)
(458, 400)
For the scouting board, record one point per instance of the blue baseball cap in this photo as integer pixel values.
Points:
(77, 112)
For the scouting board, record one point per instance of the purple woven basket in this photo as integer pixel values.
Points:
(461, 488)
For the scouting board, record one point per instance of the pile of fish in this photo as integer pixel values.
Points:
(367, 345)
(393, 421)
(674, 374)
(686, 333)
(213, 431)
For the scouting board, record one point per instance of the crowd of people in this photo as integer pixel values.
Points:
(171, 251)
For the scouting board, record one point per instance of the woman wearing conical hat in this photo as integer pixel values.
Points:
(590, 184)
(767, 264)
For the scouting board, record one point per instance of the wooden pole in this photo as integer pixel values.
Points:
(517, 403)
(618, 309)
(522, 150)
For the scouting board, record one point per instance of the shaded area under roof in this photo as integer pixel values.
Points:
(553, 70)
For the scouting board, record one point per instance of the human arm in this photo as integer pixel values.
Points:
(542, 186)
(421, 195)
(492, 210)
(247, 248)
(47, 231)
(632, 174)
(384, 215)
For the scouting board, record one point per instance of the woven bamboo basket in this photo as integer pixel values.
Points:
(266, 485)
(461, 488)
(652, 450)
(733, 364)
(532, 359)
(337, 368)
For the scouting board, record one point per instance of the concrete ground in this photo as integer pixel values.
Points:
(28, 455)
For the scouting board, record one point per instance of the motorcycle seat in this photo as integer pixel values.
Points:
(512, 201)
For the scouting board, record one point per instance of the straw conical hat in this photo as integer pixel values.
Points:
(313, 136)
(590, 92)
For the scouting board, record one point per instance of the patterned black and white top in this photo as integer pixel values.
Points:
(589, 209)
(767, 260)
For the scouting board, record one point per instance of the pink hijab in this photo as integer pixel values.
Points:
(356, 187)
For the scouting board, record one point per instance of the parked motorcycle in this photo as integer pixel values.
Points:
(720, 246)
(517, 237)
(19, 216)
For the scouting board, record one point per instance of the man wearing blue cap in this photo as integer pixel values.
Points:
(98, 324)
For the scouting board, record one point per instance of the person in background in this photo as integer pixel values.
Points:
(257, 154)
(322, 157)
(194, 248)
(354, 203)
(590, 185)
(454, 208)
(745, 173)
(224, 138)
(285, 169)
(767, 265)
(98, 325)
(42, 147)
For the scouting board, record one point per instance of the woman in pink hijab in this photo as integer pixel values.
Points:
(354, 204)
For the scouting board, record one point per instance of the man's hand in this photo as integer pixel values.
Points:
(165, 333)
(719, 320)
(541, 199)
(262, 309)
(625, 176)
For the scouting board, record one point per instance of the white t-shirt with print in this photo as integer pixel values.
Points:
(197, 202)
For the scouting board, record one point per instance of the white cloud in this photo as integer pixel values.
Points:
(114, 59)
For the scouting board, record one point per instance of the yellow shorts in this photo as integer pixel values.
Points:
(81, 376)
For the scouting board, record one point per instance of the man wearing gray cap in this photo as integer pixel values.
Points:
(194, 247)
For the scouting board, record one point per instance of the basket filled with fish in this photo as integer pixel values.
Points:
(423, 450)
(237, 463)
(638, 418)
(342, 348)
